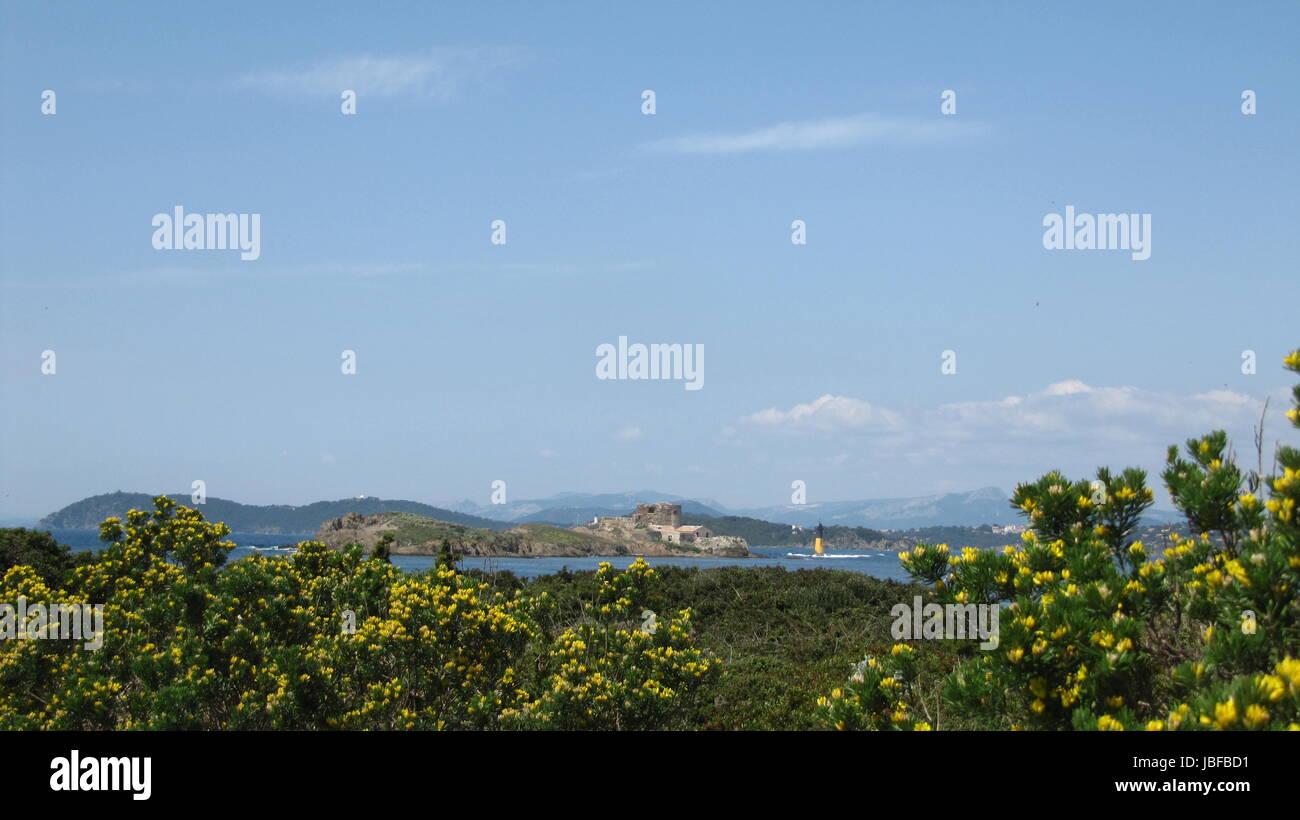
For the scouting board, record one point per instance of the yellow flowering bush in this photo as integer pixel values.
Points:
(879, 695)
(615, 670)
(329, 639)
(1095, 634)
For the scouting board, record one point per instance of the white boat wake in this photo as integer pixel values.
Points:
(814, 555)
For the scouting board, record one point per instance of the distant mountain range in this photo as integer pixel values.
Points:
(970, 509)
(249, 518)
(986, 506)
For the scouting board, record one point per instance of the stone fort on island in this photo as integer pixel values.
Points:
(662, 518)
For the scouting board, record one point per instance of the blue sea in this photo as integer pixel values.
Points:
(877, 564)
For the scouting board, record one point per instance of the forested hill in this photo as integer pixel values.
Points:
(87, 513)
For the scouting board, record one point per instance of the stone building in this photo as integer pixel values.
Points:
(681, 535)
(663, 519)
(666, 515)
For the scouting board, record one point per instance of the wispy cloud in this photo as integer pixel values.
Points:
(224, 271)
(833, 132)
(628, 434)
(826, 414)
(439, 74)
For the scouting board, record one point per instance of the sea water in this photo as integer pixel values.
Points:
(877, 564)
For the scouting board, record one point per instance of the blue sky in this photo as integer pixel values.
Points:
(476, 362)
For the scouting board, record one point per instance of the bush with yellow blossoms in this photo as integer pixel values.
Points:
(1095, 634)
(327, 639)
(879, 695)
(621, 667)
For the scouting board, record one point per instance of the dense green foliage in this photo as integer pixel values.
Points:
(780, 636)
(38, 550)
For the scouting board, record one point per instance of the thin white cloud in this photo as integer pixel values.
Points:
(439, 74)
(826, 414)
(628, 434)
(223, 270)
(832, 132)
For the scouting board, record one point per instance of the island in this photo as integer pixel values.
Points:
(650, 530)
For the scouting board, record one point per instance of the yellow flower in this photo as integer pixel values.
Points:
(1270, 687)
(1290, 670)
(1106, 723)
(1225, 714)
(1256, 715)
